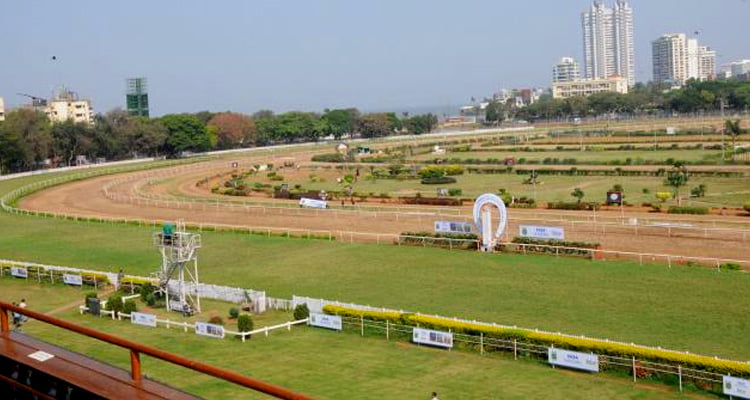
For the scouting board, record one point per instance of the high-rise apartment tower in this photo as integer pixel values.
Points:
(608, 41)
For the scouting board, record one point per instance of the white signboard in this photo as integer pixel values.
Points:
(542, 232)
(19, 272)
(210, 330)
(71, 279)
(143, 319)
(433, 338)
(312, 203)
(326, 321)
(572, 359)
(736, 387)
(452, 227)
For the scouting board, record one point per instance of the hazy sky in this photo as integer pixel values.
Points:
(245, 55)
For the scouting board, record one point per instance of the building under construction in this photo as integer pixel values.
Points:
(136, 98)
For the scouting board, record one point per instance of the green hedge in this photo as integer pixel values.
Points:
(443, 180)
(688, 210)
(583, 206)
(601, 347)
(331, 157)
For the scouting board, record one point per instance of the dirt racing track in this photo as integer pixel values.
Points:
(171, 193)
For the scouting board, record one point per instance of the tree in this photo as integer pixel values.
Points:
(374, 125)
(341, 121)
(11, 150)
(185, 133)
(734, 129)
(496, 111)
(296, 125)
(420, 124)
(677, 178)
(578, 194)
(32, 128)
(233, 130)
(71, 139)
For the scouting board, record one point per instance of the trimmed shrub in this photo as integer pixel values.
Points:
(129, 307)
(688, 210)
(455, 192)
(562, 205)
(245, 323)
(217, 320)
(114, 303)
(89, 295)
(731, 266)
(438, 180)
(330, 157)
(150, 299)
(301, 312)
(234, 312)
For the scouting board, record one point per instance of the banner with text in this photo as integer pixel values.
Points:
(542, 232)
(462, 228)
(326, 321)
(573, 359)
(19, 272)
(737, 387)
(433, 338)
(210, 330)
(143, 319)
(71, 279)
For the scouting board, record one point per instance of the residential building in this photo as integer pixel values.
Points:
(66, 105)
(736, 69)
(676, 59)
(608, 44)
(587, 87)
(2, 109)
(566, 70)
(519, 97)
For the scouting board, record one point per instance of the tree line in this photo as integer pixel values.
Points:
(642, 99)
(28, 140)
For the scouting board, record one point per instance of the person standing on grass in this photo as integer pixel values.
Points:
(434, 396)
(22, 304)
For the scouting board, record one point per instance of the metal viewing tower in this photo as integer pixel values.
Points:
(178, 278)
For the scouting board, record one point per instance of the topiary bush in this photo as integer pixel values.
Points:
(216, 320)
(129, 307)
(245, 323)
(301, 312)
(114, 303)
(234, 312)
(438, 180)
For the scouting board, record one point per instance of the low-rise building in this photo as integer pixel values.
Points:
(67, 106)
(587, 87)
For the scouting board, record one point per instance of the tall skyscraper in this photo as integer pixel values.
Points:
(608, 41)
(566, 70)
(676, 58)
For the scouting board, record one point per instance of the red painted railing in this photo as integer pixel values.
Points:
(136, 349)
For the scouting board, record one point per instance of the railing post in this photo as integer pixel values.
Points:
(4, 327)
(135, 365)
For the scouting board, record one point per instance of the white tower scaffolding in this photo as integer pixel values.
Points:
(179, 265)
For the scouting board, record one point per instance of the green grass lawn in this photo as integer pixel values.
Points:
(680, 308)
(327, 364)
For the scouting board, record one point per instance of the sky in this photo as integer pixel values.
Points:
(308, 55)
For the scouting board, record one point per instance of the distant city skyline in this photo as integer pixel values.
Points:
(311, 55)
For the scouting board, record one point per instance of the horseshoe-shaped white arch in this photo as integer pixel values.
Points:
(493, 200)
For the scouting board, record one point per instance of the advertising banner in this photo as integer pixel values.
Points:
(71, 279)
(312, 203)
(433, 338)
(542, 232)
(210, 330)
(452, 227)
(736, 387)
(19, 272)
(326, 321)
(143, 319)
(573, 359)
